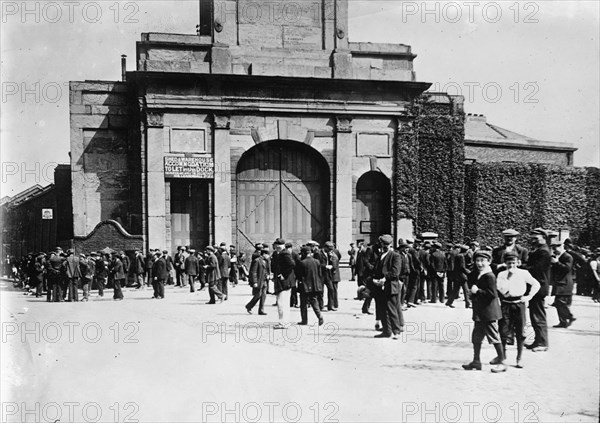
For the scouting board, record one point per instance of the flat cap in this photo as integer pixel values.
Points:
(539, 231)
(279, 241)
(437, 244)
(209, 248)
(510, 255)
(403, 245)
(429, 235)
(510, 232)
(288, 245)
(386, 239)
(483, 253)
(329, 244)
(410, 241)
(464, 247)
(265, 251)
(556, 243)
(305, 250)
(360, 240)
(475, 243)
(258, 245)
(315, 243)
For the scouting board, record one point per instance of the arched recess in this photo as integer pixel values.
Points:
(282, 191)
(372, 206)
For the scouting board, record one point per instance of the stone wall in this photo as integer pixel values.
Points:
(103, 165)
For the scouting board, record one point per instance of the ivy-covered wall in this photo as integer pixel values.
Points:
(430, 167)
(527, 195)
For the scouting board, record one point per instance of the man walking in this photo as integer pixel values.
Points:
(562, 284)
(283, 279)
(259, 276)
(538, 264)
(332, 276)
(213, 276)
(310, 284)
(192, 269)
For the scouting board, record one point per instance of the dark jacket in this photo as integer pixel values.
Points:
(309, 274)
(333, 274)
(116, 269)
(365, 261)
(437, 261)
(259, 271)
(498, 257)
(224, 263)
(285, 278)
(460, 268)
(212, 271)
(139, 267)
(486, 305)
(71, 267)
(538, 265)
(159, 269)
(415, 262)
(191, 265)
(562, 275)
(389, 268)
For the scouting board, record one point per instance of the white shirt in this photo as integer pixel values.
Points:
(514, 283)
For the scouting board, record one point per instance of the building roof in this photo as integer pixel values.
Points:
(479, 132)
(27, 195)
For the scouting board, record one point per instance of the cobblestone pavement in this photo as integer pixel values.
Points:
(179, 359)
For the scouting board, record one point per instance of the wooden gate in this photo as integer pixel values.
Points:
(189, 213)
(282, 191)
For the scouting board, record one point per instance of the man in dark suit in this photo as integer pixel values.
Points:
(332, 276)
(310, 284)
(224, 268)
(538, 264)
(283, 279)
(460, 275)
(424, 280)
(259, 277)
(486, 312)
(562, 279)
(385, 277)
(192, 269)
(510, 244)
(73, 275)
(404, 270)
(213, 276)
(437, 269)
(159, 274)
(117, 275)
(364, 267)
(413, 277)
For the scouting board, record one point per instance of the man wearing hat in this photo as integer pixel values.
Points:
(282, 265)
(224, 268)
(459, 277)
(512, 284)
(385, 278)
(86, 268)
(424, 281)
(437, 270)
(213, 276)
(562, 283)
(332, 276)
(159, 275)
(259, 277)
(179, 261)
(117, 274)
(510, 244)
(352, 261)
(72, 274)
(538, 264)
(192, 270)
(310, 284)
(415, 272)
(486, 312)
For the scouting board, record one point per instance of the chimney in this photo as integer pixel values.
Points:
(123, 67)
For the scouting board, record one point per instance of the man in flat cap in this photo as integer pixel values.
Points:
(117, 275)
(309, 275)
(562, 283)
(224, 267)
(460, 277)
(538, 264)
(284, 278)
(191, 269)
(415, 272)
(437, 270)
(260, 273)
(213, 276)
(486, 312)
(352, 261)
(332, 276)
(510, 245)
(73, 274)
(385, 277)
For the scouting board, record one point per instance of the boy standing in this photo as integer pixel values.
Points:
(486, 311)
(512, 285)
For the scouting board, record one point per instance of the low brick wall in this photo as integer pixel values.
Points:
(108, 234)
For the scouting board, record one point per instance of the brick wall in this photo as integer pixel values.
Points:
(108, 234)
(498, 154)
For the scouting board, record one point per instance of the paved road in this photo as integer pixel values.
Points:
(179, 359)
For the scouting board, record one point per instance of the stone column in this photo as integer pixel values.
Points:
(155, 181)
(344, 150)
(222, 181)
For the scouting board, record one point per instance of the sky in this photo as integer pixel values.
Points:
(532, 67)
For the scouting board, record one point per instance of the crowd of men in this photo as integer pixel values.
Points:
(497, 283)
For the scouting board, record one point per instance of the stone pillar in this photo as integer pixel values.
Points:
(344, 150)
(222, 181)
(155, 181)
